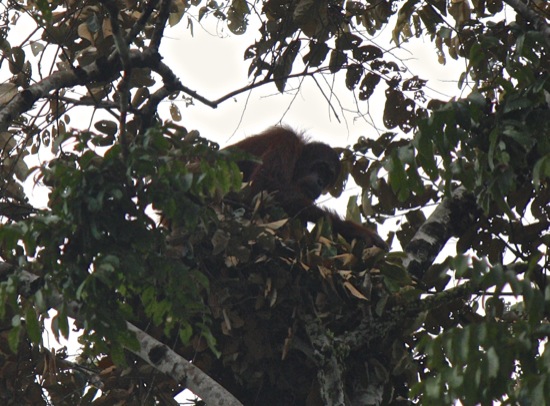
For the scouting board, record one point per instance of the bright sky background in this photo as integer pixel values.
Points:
(212, 64)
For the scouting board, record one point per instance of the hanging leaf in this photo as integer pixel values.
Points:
(106, 127)
(337, 60)
(284, 64)
(367, 53)
(366, 89)
(237, 16)
(353, 75)
(317, 54)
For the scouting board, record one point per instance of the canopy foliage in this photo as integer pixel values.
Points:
(273, 312)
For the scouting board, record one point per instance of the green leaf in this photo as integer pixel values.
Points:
(396, 273)
(348, 41)
(353, 75)
(367, 53)
(117, 354)
(317, 54)
(398, 177)
(13, 338)
(185, 333)
(493, 364)
(106, 127)
(283, 66)
(461, 265)
(33, 327)
(237, 17)
(541, 171)
(368, 85)
(352, 210)
(210, 339)
(63, 322)
(337, 60)
(45, 8)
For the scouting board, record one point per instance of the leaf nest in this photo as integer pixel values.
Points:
(267, 275)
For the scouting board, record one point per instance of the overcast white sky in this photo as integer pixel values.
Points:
(211, 62)
(214, 66)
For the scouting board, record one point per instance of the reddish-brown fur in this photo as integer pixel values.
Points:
(297, 170)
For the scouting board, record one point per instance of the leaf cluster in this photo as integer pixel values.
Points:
(226, 284)
(146, 221)
(99, 242)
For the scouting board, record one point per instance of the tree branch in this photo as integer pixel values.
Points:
(451, 218)
(102, 69)
(527, 13)
(124, 85)
(395, 318)
(139, 26)
(158, 32)
(330, 368)
(152, 351)
(105, 69)
(164, 359)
